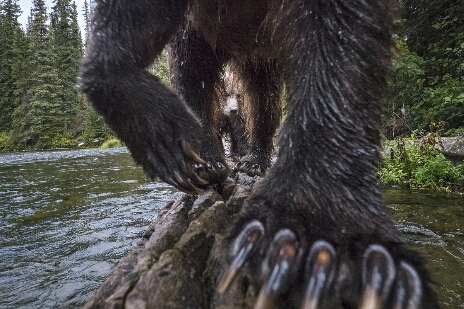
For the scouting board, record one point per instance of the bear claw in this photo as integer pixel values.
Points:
(408, 288)
(378, 273)
(212, 172)
(254, 164)
(190, 153)
(246, 244)
(384, 284)
(283, 271)
(320, 270)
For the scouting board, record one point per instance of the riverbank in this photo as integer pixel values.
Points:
(428, 163)
(453, 146)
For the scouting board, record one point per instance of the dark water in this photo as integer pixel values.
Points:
(68, 217)
(434, 225)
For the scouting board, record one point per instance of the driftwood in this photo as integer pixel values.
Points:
(181, 257)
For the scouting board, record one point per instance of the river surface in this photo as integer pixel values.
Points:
(68, 217)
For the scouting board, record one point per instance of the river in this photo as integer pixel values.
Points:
(69, 217)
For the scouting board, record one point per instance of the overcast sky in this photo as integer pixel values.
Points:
(27, 4)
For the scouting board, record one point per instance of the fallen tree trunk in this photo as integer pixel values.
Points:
(181, 257)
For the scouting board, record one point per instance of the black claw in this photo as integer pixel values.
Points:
(408, 288)
(378, 273)
(184, 184)
(244, 246)
(199, 168)
(172, 182)
(320, 270)
(283, 271)
(192, 155)
(197, 180)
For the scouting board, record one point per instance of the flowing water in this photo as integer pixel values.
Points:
(68, 217)
(434, 225)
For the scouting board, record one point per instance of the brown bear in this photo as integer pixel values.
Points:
(315, 232)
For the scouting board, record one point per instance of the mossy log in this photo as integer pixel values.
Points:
(181, 257)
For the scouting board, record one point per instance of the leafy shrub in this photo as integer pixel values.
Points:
(112, 143)
(6, 143)
(404, 85)
(420, 165)
(424, 90)
(60, 141)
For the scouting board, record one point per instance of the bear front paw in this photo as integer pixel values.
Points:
(319, 275)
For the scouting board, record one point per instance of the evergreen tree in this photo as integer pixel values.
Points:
(21, 74)
(435, 31)
(9, 25)
(21, 69)
(86, 11)
(41, 112)
(66, 44)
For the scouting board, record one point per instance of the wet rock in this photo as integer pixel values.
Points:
(453, 147)
(181, 257)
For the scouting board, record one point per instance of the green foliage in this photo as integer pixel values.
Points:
(21, 70)
(112, 143)
(43, 99)
(442, 99)
(434, 30)
(86, 12)
(428, 82)
(96, 130)
(6, 144)
(66, 47)
(160, 68)
(42, 112)
(455, 132)
(9, 12)
(404, 83)
(60, 141)
(420, 165)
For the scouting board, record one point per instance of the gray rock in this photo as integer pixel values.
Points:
(181, 257)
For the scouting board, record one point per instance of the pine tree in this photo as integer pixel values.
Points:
(41, 112)
(21, 74)
(9, 25)
(66, 44)
(86, 11)
(20, 69)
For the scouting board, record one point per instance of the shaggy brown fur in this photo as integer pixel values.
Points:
(333, 57)
(232, 117)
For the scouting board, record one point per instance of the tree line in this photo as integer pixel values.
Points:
(41, 107)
